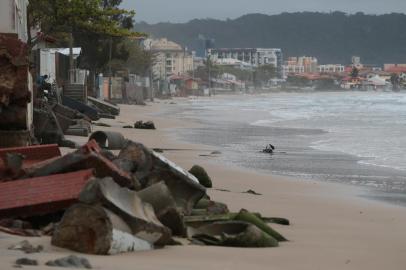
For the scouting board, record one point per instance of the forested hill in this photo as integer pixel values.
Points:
(331, 37)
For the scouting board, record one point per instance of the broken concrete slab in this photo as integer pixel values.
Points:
(232, 234)
(139, 216)
(104, 106)
(88, 156)
(153, 168)
(93, 229)
(77, 131)
(161, 199)
(90, 112)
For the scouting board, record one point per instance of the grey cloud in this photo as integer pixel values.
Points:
(183, 10)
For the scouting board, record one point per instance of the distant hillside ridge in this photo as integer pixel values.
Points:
(331, 37)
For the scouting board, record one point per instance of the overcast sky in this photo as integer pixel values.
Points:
(153, 11)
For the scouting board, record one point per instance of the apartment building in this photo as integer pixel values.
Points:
(170, 58)
(251, 56)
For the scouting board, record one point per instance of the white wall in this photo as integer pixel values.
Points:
(13, 17)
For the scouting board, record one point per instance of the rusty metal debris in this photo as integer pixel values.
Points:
(161, 199)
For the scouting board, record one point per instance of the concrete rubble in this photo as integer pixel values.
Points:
(103, 203)
(15, 92)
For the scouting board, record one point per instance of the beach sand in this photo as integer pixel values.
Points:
(331, 228)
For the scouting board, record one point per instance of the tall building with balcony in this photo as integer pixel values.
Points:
(299, 65)
(332, 68)
(170, 58)
(252, 56)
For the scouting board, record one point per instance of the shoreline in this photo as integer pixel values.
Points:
(298, 155)
(331, 227)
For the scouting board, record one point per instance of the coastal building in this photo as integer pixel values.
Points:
(203, 45)
(231, 62)
(170, 58)
(299, 65)
(250, 56)
(332, 68)
(356, 62)
(395, 68)
(13, 18)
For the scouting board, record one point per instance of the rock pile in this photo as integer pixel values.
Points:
(137, 200)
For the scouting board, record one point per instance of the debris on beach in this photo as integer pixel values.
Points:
(100, 124)
(253, 192)
(70, 262)
(269, 149)
(232, 234)
(26, 261)
(201, 175)
(105, 203)
(144, 125)
(26, 247)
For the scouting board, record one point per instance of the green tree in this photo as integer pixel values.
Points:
(98, 26)
(263, 74)
(395, 80)
(354, 72)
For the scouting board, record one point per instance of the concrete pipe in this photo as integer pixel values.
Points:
(109, 139)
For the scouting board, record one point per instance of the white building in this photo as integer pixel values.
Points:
(293, 69)
(331, 68)
(13, 18)
(252, 56)
(299, 65)
(169, 58)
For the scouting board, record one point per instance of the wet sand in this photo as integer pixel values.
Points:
(332, 228)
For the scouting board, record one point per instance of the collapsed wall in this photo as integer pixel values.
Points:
(15, 94)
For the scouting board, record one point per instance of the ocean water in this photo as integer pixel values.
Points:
(356, 138)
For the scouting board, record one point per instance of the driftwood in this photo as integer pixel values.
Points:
(125, 203)
(96, 230)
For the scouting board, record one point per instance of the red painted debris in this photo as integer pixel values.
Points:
(88, 156)
(33, 154)
(41, 195)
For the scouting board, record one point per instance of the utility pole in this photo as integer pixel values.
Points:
(208, 70)
(110, 56)
(71, 63)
